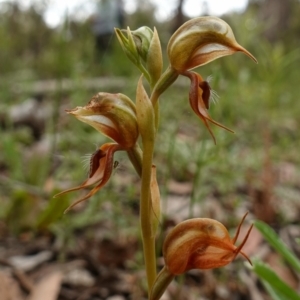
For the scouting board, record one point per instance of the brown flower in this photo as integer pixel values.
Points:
(113, 115)
(199, 96)
(200, 41)
(196, 43)
(101, 167)
(201, 243)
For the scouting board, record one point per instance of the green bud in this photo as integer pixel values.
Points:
(128, 45)
(142, 38)
(142, 47)
(154, 61)
(149, 48)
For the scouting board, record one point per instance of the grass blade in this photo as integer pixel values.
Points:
(273, 239)
(279, 286)
(273, 293)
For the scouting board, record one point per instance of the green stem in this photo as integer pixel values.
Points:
(148, 236)
(144, 71)
(142, 162)
(166, 79)
(145, 213)
(162, 281)
(135, 155)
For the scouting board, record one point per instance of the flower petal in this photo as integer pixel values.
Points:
(101, 167)
(197, 103)
(200, 243)
(200, 41)
(113, 115)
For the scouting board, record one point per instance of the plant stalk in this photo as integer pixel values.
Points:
(166, 79)
(148, 236)
(135, 155)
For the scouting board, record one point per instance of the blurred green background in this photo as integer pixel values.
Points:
(44, 71)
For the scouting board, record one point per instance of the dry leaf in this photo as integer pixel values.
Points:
(79, 277)
(29, 262)
(180, 188)
(9, 289)
(48, 288)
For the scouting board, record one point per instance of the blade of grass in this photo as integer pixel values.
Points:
(274, 294)
(279, 286)
(273, 239)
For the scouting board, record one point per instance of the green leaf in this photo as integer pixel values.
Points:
(279, 286)
(273, 293)
(53, 212)
(273, 239)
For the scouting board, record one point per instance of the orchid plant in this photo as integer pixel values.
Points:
(198, 243)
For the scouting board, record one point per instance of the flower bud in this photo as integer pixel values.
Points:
(128, 45)
(201, 40)
(143, 45)
(114, 115)
(200, 243)
(142, 38)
